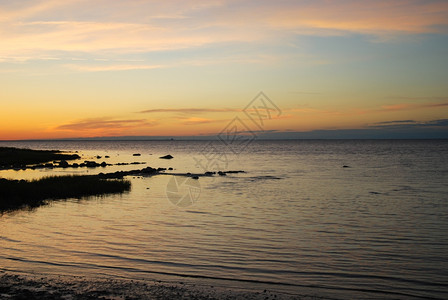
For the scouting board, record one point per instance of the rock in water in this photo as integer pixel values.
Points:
(63, 164)
(166, 157)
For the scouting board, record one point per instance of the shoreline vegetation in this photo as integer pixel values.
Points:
(18, 158)
(17, 194)
(20, 194)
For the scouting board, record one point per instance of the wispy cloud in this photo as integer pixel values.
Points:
(196, 121)
(33, 28)
(421, 98)
(395, 122)
(376, 17)
(408, 124)
(190, 110)
(126, 67)
(105, 124)
(411, 106)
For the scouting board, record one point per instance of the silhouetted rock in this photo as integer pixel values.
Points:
(346, 166)
(90, 164)
(148, 170)
(63, 164)
(170, 168)
(107, 156)
(166, 157)
(98, 157)
(195, 177)
(220, 173)
(136, 154)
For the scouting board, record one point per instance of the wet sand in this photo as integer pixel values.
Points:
(20, 286)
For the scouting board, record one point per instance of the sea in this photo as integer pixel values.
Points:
(344, 219)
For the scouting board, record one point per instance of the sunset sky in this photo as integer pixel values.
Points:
(79, 68)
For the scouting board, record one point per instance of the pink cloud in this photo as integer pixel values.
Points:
(196, 121)
(101, 124)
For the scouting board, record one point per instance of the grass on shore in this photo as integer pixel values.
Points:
(13, 157)
(16, 194)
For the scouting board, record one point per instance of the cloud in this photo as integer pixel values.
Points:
(190, 110)
(127, 67)
(411, 124)
(39, 27)
(376, 17)
(411, 106)
(427, 98)
(197, 121)
(101, 124)
(395, 122)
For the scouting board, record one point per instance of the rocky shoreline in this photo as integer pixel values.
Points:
(40, 287)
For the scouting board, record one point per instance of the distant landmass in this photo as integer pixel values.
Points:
(318, 134)
(400, 129)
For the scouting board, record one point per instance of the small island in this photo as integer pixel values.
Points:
(17, 158)
(17, 194)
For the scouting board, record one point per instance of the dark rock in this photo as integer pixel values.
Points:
(148, 170)
(166, 157)
(136, 154)
(63, 164)
(220, 173)
(107, 156)
(170, 168)
(209, 173)
(344, 166)
(90, 164)
(98, 157)
(103, 164)
(195, 177)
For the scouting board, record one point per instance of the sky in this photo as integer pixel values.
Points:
(97, 68)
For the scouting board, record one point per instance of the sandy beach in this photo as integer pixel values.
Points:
(34, 286)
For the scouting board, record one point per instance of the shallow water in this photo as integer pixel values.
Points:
(296, 218)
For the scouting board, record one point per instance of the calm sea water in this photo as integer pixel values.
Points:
(295, 221)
